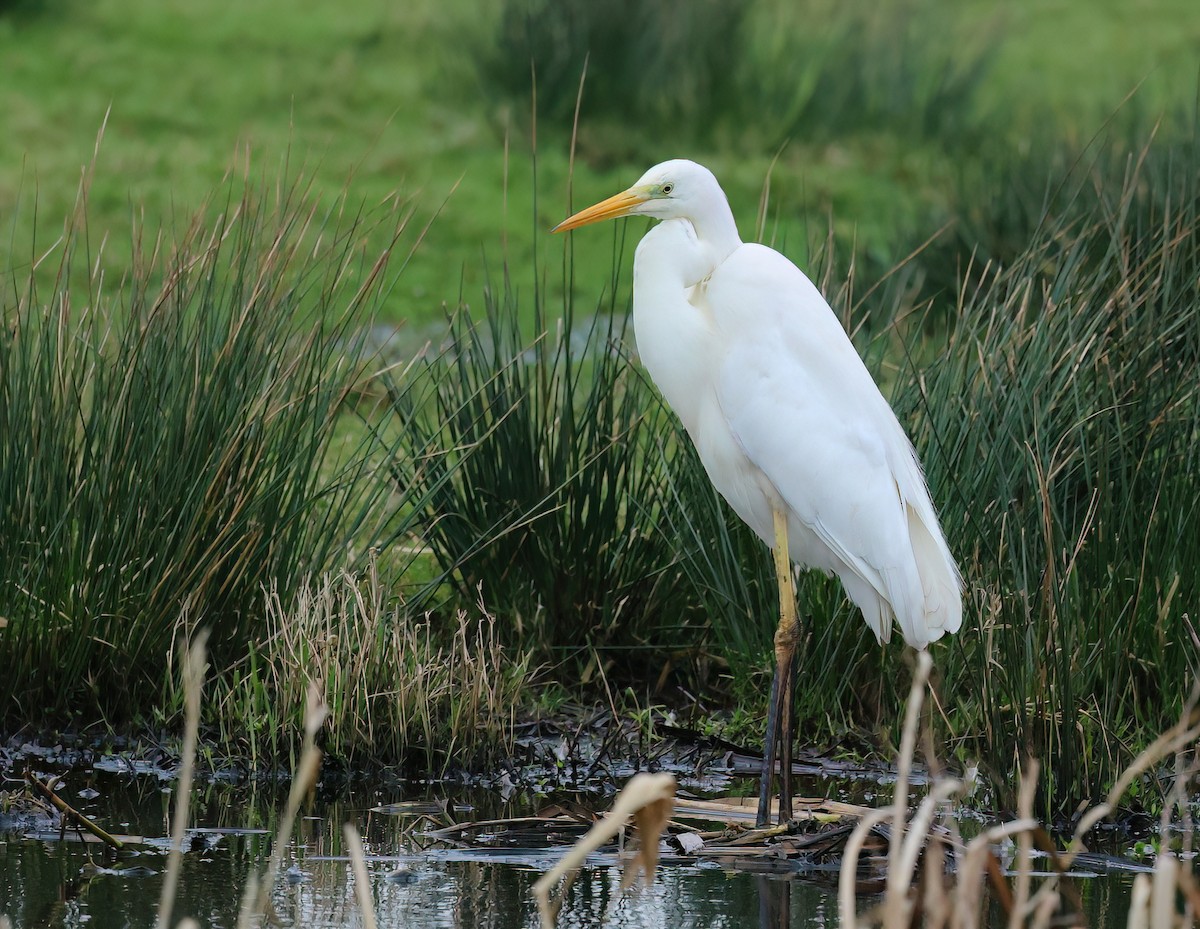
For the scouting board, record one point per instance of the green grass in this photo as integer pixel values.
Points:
(529, 454)
(391, 94)
(1078, 60)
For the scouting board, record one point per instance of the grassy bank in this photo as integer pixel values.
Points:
(168, 441)
(196, 430)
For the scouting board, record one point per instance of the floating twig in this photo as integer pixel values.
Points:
(70, 812)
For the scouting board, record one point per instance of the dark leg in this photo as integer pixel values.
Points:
(787, 736)
(779, 710)
(770, 740)
(774, 902)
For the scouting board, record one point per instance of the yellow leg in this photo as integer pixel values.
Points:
(788, 632)
(780, 707)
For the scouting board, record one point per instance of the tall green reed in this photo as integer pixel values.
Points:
(166, 446)
(717, 71)
(529, 457)
(1002, 196)
(1061, 424)
(662, 59)
(824, 69)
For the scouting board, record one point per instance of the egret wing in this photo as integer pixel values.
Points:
(805, 411)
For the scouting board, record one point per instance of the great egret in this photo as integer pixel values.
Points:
(789, 424)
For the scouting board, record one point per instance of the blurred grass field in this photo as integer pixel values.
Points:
(389, 99)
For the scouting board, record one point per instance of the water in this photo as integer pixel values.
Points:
(46, 881)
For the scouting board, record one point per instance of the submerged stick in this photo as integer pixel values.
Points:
(71, 813)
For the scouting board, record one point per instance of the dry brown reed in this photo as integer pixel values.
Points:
(648, 800)
(193, 685)
(954, 899)
(401, 687)
(256, 900)
(362, 881)
(258, 888)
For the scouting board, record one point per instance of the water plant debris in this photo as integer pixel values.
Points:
(70, 813)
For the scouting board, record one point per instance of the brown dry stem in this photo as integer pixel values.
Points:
(649, 798)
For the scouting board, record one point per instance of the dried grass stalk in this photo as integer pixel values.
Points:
(258, 890)
(193, 684)
(362, 883)
(648, 799)
(957, 902)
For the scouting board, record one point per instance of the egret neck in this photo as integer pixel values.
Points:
(715, 231)
(670, 318)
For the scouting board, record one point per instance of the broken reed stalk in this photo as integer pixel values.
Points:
(648, 799)
(258, 889)
(70, 812)
(1025, 798)
(1152, 903)
(362, 883)
(193, 685)
(1178, 738)
(968, 896)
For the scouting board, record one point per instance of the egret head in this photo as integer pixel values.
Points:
(671, 190)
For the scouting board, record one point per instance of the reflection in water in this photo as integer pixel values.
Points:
(50, 883)
(470, 894)
(774, 902)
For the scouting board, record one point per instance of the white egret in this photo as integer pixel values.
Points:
(788, 422)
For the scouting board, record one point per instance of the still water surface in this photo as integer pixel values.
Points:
(47, 882)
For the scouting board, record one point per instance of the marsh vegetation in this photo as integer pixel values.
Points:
(199, 427)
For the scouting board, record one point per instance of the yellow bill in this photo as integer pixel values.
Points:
(617, 205)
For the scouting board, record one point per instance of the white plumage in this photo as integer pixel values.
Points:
(783, 412)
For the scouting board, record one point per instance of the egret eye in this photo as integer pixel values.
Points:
(667, 188)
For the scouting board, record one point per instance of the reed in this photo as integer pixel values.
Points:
(168, 444)
(951, 886)
(1059, 424)
(531, 463)
(401, 688)
(815, 70)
